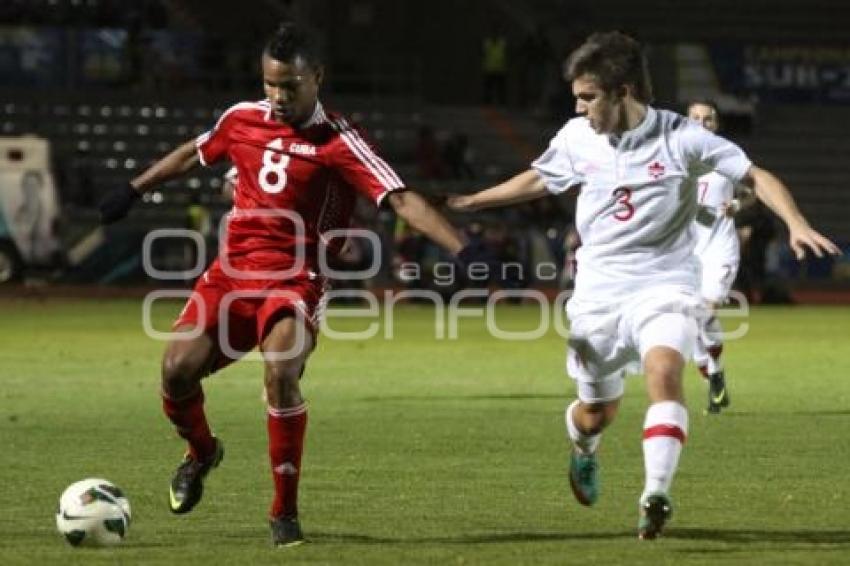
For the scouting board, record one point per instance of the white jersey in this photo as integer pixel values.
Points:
(716, 239)
(638, 199)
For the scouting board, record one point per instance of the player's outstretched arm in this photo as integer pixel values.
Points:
(773, 192)
(422, 216)
(117, 203)
(523, 187)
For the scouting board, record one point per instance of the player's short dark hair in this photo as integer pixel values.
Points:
(614, 59)
(704, 102)
(291, 41)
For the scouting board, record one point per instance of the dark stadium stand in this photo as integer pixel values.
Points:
(103, 134)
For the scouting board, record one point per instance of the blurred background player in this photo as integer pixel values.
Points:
(719, 254)
(636, 290)
(299, 169)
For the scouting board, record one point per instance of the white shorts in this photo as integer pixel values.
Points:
(608, 340)
(717, 278)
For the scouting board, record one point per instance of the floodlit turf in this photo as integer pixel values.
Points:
(424, 451)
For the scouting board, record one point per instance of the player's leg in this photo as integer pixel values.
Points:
(665, 341)
(597, 368)
(701, 356)
(666, 422)
(664, 432)
(187, 360)
(286, 349)
(184, 364)
(586, 420)
(717, 282)
(710, 336)
(585, 423)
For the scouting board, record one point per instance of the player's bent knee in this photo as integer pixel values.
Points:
(663, 367)
(664, 363)
(596, 416)
(283, 372)
(181, 373)
(282, 383)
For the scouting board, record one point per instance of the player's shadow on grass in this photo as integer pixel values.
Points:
(759, 535)
(495, 538)
(444, 398)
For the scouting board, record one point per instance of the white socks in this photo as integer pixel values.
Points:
(584, 443)
(709, 345)
(664, 432)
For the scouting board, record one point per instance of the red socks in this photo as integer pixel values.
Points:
(286, 429)
(286, 442)
(188, 418)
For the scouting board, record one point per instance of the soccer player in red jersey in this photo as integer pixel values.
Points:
(300, 168)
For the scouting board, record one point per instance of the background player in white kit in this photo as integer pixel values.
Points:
(636, 290)
(719, 254)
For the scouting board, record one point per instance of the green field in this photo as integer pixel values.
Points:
(424, 451)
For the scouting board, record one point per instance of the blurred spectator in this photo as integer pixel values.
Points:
(536, 61)
(755, 229)
(213, 52)
(28, 216)
(458, 157)
(80, 178)
(428, 155)
(100, 13)
(510, 248)
(409, 251)
(494, 66)
(199, 220)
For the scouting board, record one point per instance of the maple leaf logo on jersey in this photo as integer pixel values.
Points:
(656, 169)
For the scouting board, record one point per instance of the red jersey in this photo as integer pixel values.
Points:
(313, 172)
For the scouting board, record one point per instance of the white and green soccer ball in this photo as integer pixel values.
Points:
(93, 512)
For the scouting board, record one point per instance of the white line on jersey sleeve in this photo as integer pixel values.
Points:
(199, 141)
(379, 169)
(380, 163)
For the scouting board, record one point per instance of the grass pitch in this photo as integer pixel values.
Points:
(422, 450)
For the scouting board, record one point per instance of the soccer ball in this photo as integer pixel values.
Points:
(93, 512)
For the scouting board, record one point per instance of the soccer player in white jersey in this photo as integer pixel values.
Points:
(719, 254)
(636, 291)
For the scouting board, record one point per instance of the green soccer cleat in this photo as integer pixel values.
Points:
(584, 478)
(718, 395)
(655, 511)
(187, 485)
(286, 532)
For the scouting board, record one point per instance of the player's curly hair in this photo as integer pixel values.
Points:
(614, 59)
(290, 41)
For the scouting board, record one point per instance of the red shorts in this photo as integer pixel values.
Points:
(242, 311)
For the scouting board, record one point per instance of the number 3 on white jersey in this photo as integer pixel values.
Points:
(623, 196)
(273, 172)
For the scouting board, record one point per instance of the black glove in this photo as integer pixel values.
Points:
(117, 203)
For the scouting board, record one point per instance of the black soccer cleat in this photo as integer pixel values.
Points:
(286, 532)
(718, 395)
(655, 511)
(187, 485)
